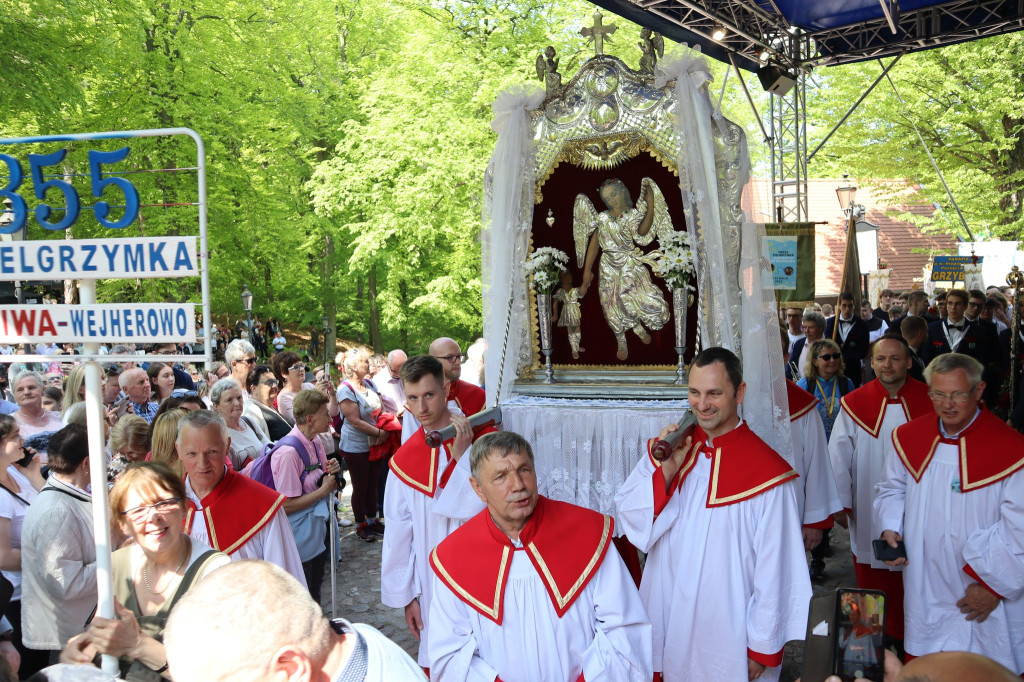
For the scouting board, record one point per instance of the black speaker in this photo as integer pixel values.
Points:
(775, 80)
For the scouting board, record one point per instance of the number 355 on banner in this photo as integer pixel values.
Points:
(72, 205)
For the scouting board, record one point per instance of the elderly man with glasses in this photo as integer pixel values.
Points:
(951, 492)
(463, 397)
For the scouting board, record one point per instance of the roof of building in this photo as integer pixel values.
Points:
(902, 245)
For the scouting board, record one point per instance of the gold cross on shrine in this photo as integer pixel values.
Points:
(597, 32)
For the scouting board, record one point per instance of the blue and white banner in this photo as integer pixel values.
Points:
(98, 323)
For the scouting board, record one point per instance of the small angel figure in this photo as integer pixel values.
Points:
(568, 298)
(547, 71)
(652, 47)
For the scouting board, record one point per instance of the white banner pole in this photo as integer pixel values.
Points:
(98, 477)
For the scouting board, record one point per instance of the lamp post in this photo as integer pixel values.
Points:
(247, 305)
(327, 329)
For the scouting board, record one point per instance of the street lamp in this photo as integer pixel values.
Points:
(847, 193)
(247, 306)
(327, 329)
(6, 218)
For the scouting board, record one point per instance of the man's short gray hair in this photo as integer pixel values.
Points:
(127, 375)
(951, 362)
(237, 350)
(500, 444)
(815, 317)
(251, 608)
(121, 349)
(222, 385)
(200, 419)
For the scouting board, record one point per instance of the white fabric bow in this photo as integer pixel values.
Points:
(683, 61)
(521, 97)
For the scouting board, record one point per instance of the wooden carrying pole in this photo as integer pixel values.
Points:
(850, 280)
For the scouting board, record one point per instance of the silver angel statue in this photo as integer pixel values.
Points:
(547, 71)
(652, 48)
(628, 296)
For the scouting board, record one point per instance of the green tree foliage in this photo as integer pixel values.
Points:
(346, 139)
(968, 103)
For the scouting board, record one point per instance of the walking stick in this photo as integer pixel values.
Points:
(334, 557)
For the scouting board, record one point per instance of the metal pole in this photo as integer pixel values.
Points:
(94, 412)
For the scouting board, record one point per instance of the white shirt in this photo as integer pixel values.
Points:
(14, 510)
(857, 463)
(717, 581)
(416, 524)
(274, 542)
(793, 338)
(943, 530)
(605, 634)
(816, 494)
(392, 392)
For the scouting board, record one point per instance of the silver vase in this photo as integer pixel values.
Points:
(680, 304)
(544, 320)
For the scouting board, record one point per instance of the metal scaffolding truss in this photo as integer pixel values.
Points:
(788, 140)
(756, 27)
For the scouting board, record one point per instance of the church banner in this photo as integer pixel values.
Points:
(790, 249)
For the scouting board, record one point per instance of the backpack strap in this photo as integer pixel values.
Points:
(193, 573)
(300, 447)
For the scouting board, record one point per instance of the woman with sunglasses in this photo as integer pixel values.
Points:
(147, 504)
(161, 378)
(263, 388)
(291, 372)
(823, 376)
(20, 485)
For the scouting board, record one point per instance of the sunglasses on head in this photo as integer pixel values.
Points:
(184, 393)
(829, 356)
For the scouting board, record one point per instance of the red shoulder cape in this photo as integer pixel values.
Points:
(469, 398)
(866, 406)
(743, 467)
(416, 464)
(235, 511)
(565, 543)
(989, 449)
(800, 401)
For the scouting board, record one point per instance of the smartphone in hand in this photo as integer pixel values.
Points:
(886, 552)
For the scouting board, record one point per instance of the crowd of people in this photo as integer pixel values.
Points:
(223, 482)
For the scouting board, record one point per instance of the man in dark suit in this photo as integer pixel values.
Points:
(958, 334)
(884, 301)
(814, 329)
(917, 305)
(997, 360)
(915, 332)
(851, 335)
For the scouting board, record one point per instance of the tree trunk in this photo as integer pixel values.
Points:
(329, 301)
(374, 323)
(403, 291)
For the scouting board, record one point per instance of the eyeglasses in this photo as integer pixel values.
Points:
(269, 382)
(452, 358)
(957, 397)
(225, 375)
(141, 512)
(829, 356)
(184, 393)
(297, 368)
(248, 361)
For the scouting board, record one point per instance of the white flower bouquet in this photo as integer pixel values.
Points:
(674, 263)
(543, 266)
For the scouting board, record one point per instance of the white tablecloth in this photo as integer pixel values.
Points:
(585, 449)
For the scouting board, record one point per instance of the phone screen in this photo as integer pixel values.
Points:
(860, 624)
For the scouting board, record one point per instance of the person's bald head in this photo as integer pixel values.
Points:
(396, 359)
(239, 606)
(449, 353)
(955, 666)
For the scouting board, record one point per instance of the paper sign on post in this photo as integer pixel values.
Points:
(98, 323)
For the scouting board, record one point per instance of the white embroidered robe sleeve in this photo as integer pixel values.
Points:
(858, 463)
(944, 530)
(605, 634)
(817, 497)
(718, 581)
(415, 527)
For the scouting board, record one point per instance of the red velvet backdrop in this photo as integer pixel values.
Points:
(560, 192)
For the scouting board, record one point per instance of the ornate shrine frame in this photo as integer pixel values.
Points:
(606, 115)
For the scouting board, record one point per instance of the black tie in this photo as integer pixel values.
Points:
(958, 327)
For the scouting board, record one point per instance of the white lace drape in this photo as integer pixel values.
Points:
(507, 217)
(737, 302)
